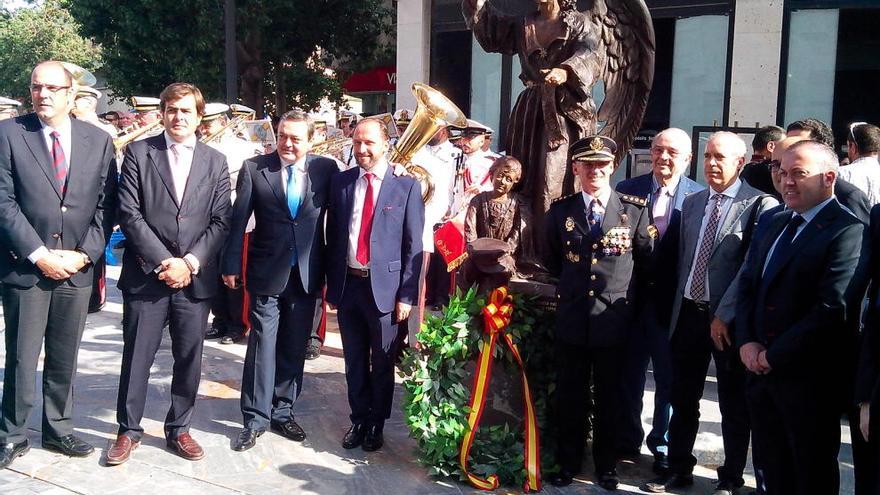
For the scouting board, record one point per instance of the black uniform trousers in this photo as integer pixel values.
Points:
(796, 424)
(276, 353)
(143, 321)
(576, 367)
(54, 312)
(370, 340)
(691, 351)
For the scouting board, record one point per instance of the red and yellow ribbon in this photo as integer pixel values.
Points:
(496, 317)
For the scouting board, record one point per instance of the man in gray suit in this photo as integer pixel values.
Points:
(57, 197)
(717, 225)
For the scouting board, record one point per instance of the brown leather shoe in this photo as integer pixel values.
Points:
(186, 447)
(121, 449)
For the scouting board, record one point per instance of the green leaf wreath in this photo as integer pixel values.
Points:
(437, 388)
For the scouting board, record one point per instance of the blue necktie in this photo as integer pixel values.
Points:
(293, 200)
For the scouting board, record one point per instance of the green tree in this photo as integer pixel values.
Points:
(33, 34)
(285, 47)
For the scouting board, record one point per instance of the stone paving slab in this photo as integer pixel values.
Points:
(319, 465)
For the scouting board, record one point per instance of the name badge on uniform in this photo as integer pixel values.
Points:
(569, 224)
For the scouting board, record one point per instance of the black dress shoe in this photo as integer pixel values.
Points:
(609, 480)
(11, 451)
(213, 333)
(354, 437)
(562, 478)
(374, 439)
(668, 481)
(727, 487)
(247, 438)
(232, 338)
(313, 350)
(69, 445)
(289, 429)
(661, 464)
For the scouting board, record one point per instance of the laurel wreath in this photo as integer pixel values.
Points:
(437, 382)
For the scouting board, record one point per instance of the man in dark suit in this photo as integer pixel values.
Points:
(174, 204)
(717, 225)
(599, 245)
(867, 387)
(56, 215)
(374, 242)
(756, 172)
(287, 192)
(792, 326)
(666, 188)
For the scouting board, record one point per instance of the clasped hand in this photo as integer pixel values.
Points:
(175, 273)
(60, 264)
(754, 357)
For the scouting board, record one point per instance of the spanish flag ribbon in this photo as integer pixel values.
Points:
(496, 318)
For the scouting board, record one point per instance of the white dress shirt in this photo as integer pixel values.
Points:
(181, 164)
(864, 173)
(360, 191)
(728, 195)
(65, 138)
(602, 197)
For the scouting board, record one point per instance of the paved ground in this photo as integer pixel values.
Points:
(276, 465)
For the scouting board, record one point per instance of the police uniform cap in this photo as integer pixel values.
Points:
(88, 91)
(593, 149)
(214, 110)
(238, 109)
(8, 103)
(145, 103)
(486, 254)
(403, 116)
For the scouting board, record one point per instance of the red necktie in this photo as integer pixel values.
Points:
(363, 248)
(59, 162)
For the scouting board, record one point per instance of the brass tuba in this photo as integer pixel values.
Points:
(433, 111)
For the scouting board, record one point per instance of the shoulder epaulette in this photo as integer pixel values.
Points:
(561, 198)
(633, 200)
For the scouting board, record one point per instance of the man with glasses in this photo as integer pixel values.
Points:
(665, 187)
(862, 148)
(57, 198)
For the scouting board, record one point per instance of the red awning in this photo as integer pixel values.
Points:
(377, 79)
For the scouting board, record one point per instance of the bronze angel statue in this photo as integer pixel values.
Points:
(563, 52)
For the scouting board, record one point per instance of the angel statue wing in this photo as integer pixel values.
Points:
(627, 60)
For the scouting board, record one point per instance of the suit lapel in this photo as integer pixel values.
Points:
(810, 231)
(33, 138)
(385, 192)
(734, 212)
(159, 158)
(272, 175)
(577, 211)
(198, 171)
(79, 143)
(307, 200)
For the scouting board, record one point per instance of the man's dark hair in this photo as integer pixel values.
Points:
(297, 115)
(866, 137)
(819, 131)
(178, 90)
(766, 135)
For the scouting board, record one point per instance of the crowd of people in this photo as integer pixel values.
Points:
(767, 271)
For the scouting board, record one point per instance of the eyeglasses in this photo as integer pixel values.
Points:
(673, 153)
(38, 88)
(852, 128)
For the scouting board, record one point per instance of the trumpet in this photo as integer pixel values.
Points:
(433, 111)
(233, 123)
(123, 140)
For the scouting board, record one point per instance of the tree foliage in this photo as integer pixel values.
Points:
(284, 47)
(30, 35)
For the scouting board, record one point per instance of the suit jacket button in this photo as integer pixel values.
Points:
(595, 261)
(55, 236)
(174, 244)
(63, 209)
(591, 293)
(179, 217)
(592, 277)
(595, 246)
(290, 248)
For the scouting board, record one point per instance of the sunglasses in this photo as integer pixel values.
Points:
(852, 128)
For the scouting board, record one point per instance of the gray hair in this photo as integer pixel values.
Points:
(739, 146)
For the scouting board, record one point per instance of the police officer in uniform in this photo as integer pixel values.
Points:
(229, 306)
(8, 108)
(600, 242)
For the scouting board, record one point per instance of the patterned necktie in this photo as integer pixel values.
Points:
(660, 210)
(783, 245)
(698, 282)
(594, 217)
(293, 200)
(59, 162)
(363, 247)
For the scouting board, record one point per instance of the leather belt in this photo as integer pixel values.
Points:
(358, 272)
(702, 306)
